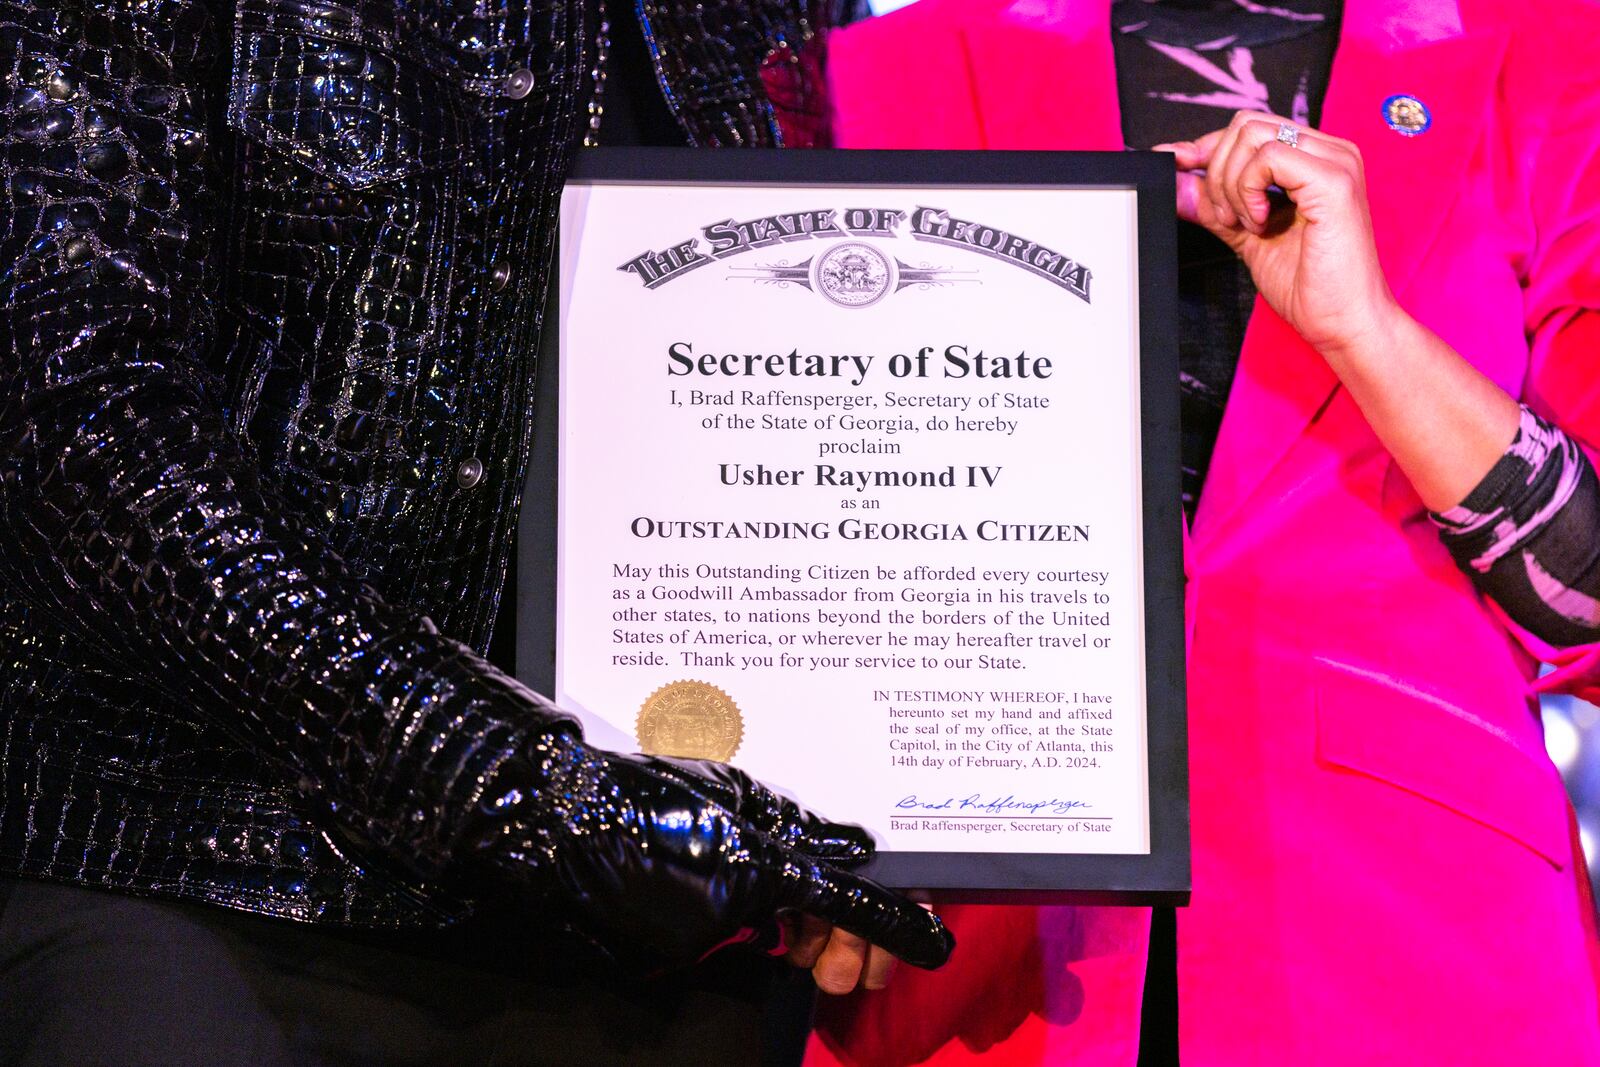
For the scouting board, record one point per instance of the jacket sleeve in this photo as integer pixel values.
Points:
(130, 516)
(1525, 535)
(1562, 306)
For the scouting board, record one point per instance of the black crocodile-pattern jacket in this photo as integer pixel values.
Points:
(271, 273)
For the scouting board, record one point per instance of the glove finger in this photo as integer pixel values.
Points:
(866, 909)
(840, 844)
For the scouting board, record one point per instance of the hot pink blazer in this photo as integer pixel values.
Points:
(1384, 860)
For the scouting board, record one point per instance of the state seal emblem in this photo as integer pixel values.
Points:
(691, 720)
(853, 274)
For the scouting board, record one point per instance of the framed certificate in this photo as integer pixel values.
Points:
(860, 470)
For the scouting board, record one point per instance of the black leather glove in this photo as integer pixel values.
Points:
(660, 862)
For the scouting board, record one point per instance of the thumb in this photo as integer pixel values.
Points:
(866, 909)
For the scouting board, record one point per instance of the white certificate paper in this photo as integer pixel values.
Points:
(850, 484)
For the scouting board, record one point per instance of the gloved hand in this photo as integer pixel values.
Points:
(660, 862)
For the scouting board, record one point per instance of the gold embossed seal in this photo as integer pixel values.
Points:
(695, 720)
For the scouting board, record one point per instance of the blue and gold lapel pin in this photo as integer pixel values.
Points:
(1406, 115)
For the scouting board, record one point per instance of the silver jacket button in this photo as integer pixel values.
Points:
(470, 473)
(519, 83)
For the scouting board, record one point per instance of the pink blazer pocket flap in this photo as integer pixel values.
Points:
(1419, 742)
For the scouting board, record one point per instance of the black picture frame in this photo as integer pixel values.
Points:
(1163, 875)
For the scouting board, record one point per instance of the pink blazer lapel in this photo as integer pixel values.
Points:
(1009, 74)
(1282, 383)
(1044, 76)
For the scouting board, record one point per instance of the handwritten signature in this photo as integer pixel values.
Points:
(993, 805)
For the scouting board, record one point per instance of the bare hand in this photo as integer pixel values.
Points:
(838, 960)
(1313, 259)
(1315, 262)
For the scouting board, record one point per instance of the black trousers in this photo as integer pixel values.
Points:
(91, 978)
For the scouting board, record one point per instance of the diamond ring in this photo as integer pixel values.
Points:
(1289, 135)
